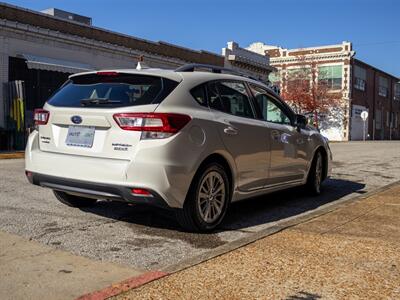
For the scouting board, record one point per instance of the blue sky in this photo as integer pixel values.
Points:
(372, 25)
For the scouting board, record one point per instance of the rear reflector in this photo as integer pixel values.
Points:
(154, 122)
(29, 176)
(41, 116)
(141, 192)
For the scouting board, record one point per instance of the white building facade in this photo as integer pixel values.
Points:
(332, 60)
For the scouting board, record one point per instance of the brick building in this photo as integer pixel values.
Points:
(39, 50)
(379, 93)
(363, 87)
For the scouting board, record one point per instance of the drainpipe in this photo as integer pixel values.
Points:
(373, 106)
(391, 108)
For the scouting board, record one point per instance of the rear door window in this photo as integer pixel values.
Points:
(230, 97)
(112, 91)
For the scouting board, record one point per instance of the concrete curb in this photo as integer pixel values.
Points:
(123, 286)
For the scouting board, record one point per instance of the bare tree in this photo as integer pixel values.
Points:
(308, 91)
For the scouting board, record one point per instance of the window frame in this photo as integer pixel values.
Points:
(361, 87)
(383, 90)
(360, 78)
(276, 100)
(396, 91)
(330, 81)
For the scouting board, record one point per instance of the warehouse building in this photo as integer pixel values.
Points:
(39, 50)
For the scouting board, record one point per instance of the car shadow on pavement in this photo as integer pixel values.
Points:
(304, 296)
(151, 225)
(288, 203)
(241, 215)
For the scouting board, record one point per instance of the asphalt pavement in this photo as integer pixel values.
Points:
(149, 239)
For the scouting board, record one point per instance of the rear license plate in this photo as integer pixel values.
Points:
(80, 136)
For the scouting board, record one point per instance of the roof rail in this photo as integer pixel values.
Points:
(213, 69)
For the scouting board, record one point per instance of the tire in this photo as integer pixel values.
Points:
(74, 201)
(207, 200)
(315, 175)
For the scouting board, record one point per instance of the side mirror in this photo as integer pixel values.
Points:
(301, 121)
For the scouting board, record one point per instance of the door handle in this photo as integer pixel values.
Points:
(275, 135)
(230, 130)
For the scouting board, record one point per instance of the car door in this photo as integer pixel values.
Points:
(240, 131)
(288, 159)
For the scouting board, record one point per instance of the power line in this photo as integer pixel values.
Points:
(377, 43)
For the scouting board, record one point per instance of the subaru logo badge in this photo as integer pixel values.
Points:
(76, 119)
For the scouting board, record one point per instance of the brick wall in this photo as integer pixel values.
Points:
(371, 99)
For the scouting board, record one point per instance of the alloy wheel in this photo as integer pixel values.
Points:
(211, 197)
(318, 173)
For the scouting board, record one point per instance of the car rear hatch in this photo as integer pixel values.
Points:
(81, 117)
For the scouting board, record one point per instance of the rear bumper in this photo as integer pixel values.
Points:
(159, 168)
(95, 190)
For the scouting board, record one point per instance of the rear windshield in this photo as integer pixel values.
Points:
(112, 91)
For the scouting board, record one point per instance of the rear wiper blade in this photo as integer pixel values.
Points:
(95, 101)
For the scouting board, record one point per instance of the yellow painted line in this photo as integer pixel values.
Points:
(10, 155)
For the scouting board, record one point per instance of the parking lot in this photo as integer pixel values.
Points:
(148, 239)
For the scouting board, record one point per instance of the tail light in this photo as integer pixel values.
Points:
(141, 193)
(41, 116)
(152, 125)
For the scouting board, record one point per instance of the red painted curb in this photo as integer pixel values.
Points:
(123, 286)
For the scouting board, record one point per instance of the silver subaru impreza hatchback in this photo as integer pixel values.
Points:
(188, 140)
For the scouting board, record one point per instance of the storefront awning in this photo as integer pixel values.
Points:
(52, 64)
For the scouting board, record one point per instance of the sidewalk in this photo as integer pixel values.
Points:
(30, 270)
(350, 253)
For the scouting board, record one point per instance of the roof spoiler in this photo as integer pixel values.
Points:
(211, 68)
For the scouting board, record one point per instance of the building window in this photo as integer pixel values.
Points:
(331, 76)
(378, 119)
(360, 75)
(383, 87)
(387, 119)
(299, 73)
(298, 78)
(274, 77)
(397, 91)
(359, 84)
(393, 120)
